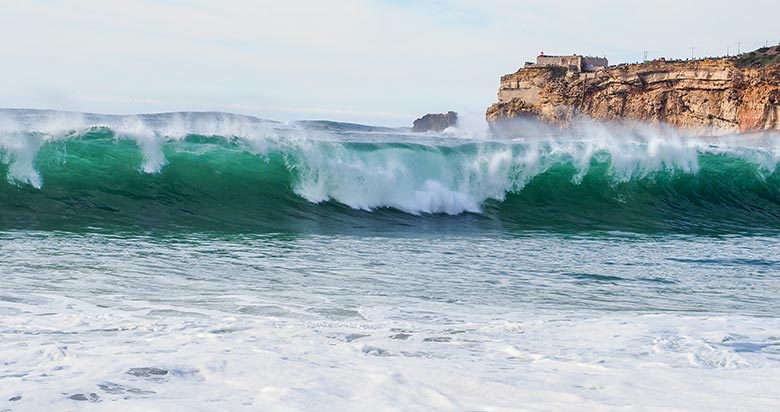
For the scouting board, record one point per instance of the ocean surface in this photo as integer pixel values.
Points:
(218, 262)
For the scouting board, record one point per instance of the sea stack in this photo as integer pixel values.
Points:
(435, 122)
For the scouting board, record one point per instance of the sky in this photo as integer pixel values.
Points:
(382, 62)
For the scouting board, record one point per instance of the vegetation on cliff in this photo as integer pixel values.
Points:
(765, 56)
(708, 96)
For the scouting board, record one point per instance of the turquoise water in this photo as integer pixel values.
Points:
(389, 183)
(218, 262)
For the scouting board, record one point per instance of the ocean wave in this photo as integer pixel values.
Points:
(222, 170)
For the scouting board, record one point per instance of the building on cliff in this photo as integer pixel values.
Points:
(708, 97)
(575, 63)
(515, 86)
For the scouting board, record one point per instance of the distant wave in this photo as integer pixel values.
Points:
(216, 171)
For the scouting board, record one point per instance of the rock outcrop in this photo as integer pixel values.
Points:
(705, 97)
(435, 122)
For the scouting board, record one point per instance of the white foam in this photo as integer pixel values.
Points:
(60, 347)
(244, 322)
(147, 139)
(405, 179)
(20, 143)
(18, 151)
(23, 133)
(152, 131)
(461, 179)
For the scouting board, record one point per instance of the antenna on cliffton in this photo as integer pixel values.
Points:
(645, 55)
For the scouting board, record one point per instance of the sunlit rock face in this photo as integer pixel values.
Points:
(705, 97)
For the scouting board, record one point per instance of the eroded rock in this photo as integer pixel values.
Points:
(435, 122)
(706, 97)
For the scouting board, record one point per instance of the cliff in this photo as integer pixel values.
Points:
(435, 122)
(707, 97)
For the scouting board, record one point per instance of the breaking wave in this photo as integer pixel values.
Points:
(216, 171)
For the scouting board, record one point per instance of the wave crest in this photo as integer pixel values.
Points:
(171, 166)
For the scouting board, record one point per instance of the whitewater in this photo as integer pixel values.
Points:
(214, 261)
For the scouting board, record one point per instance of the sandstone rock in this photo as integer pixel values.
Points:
(435, 122)
(706, 97)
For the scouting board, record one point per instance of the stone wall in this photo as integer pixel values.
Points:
(575, 62)
(590, 64)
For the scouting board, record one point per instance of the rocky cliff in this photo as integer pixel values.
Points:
(707, 97)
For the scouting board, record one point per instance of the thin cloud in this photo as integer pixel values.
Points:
(371, 56)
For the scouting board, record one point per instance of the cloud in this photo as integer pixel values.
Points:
(356, 60)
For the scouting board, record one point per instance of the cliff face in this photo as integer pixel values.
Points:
(707, 97)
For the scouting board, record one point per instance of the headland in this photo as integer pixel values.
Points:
(708, 97)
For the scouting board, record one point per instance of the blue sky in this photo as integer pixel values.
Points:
(370, 61)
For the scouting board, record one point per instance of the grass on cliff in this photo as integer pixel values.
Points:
(765, 56)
